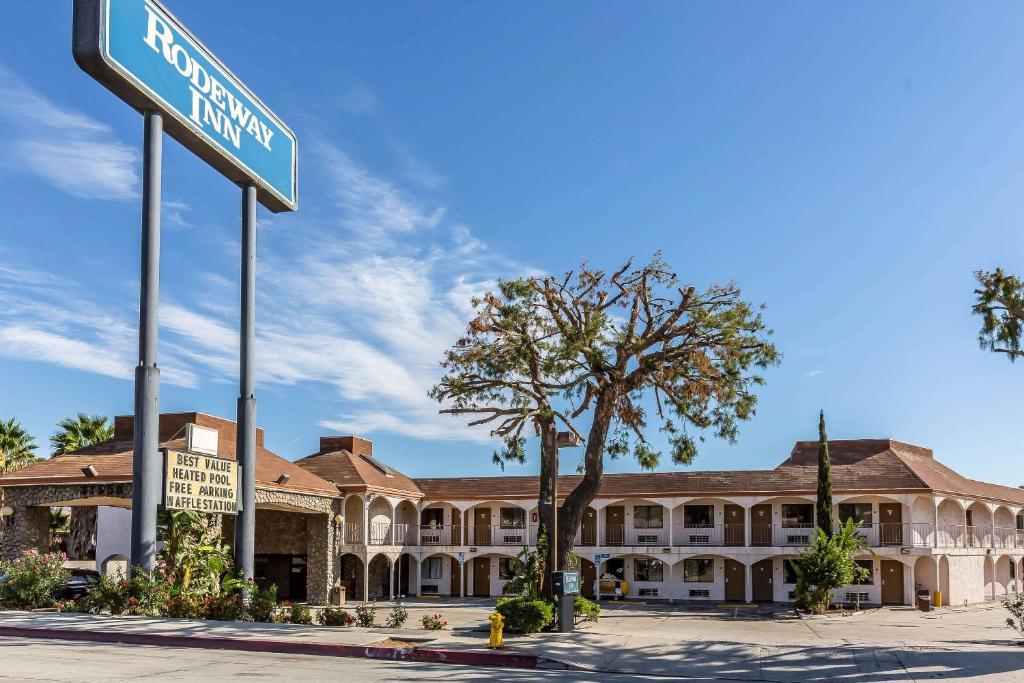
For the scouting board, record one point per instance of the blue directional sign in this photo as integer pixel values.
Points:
(142, 53)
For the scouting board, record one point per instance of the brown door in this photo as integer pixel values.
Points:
(761, 582)
(761, 525)
(456, 589)
(482, 526)
(890, 518)
(735, 581)
(457, 537)
(892, 582)
(735, 527)
(615, 525)
(588, 533)
(588, 576)
(482, 577)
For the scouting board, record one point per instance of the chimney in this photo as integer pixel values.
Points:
(353, 444)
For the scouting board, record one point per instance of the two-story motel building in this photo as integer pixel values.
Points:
(341, 518)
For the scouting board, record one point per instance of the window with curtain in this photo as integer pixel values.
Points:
(698, 571)
(645, 569)
(513, 518)
(432, 568)
(797, 515)
(698, 515)
(860, 513)
(648, 516)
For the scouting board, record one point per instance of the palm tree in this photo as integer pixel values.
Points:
(80, 431)
(16, 447)
(60, 526)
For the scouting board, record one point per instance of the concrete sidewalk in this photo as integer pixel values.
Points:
(640, 642)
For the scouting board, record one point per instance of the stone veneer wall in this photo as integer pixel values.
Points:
(321, 538)
(30, 525)
(314, 533)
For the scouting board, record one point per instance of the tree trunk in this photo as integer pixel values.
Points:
(82, 535)
(546, 501)
(570, 516)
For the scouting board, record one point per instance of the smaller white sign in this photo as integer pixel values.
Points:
(200, 439)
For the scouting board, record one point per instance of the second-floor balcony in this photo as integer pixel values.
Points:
(913, 534)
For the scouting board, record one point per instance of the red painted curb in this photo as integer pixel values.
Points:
(438, 656)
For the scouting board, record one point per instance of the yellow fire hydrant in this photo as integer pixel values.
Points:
(497, 628)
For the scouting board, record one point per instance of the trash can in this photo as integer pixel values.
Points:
(924, 603)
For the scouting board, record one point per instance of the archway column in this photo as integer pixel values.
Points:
(748, 581)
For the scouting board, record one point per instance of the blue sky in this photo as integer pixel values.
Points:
(848, 165)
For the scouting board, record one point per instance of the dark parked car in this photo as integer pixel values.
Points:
(80, 583)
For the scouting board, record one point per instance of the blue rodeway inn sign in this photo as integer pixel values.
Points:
(142, 53)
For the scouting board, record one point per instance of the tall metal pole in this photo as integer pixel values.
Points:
(146, 465)
(245, 523)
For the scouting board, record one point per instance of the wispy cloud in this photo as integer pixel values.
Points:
(812, 373)
(359, 296)
(66, 148)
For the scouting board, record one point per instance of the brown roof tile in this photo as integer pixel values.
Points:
(113, 459)
(355, 473)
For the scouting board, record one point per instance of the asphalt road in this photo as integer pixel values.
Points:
(38, 660)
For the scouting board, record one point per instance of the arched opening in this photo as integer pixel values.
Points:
(497, 523)
(636, 522)
(353, 532)
(1003, 528)
(378, 578)
(439, 575)
(708, 522)
(990, 578)
(979, 526)
(380, 521)
(944, 580)
(782, 522)
(1004, 576)
(351, 576)
(951, 524)
(926, 574)
(439, 525)
(406, 524)
(405, 580)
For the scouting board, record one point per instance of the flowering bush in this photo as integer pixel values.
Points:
(398, 616)
(33, 580)
(335, 616)
(434, 622)
(300, 614)
(262, 603)
(366, 614)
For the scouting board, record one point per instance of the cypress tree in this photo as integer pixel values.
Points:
(824, 505)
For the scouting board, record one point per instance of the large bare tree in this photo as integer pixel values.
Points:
(621, 347)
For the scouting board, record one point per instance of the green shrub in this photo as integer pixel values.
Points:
(587, 610)
(434, 622)
(335, 616)
(827, 564)
(398, 616)
(262, 603)
(366, 615)
(524, 614)
(300, 614)
(33, 580)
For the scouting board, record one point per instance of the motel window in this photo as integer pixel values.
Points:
(513, 517)
(648, 516)
(432, 517)
(432, 568)
(870, 566)
(648, 570)
(698, 571)
(860, 513)
(698, 515)
(788, 572)
(797, 515)
(507, 568)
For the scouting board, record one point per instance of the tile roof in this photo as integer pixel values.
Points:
(355, 473)
(860, 465)
(113, 459)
